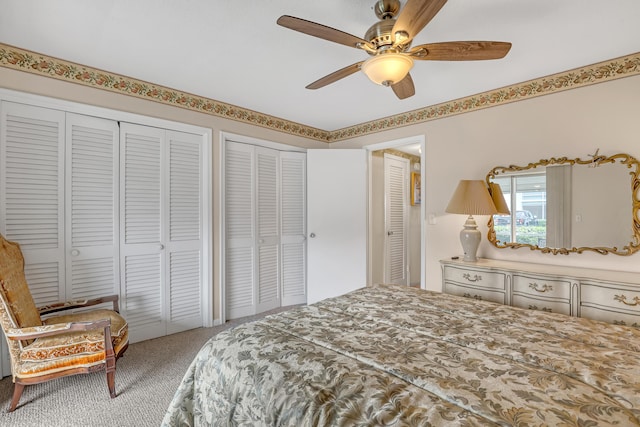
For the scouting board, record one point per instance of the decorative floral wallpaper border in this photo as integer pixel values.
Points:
(24, 60)
(596, 73)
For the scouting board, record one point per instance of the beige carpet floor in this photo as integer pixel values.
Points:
(147, 376)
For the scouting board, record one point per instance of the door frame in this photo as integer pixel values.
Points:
(417, 139)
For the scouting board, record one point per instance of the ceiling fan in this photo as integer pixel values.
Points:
(388, 41)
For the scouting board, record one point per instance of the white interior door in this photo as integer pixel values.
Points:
(293, 245)
(396, 218)
(92, 213)
(32, 199)
(267, 229)
(142, 233)
(32, 194)
(184, 231)
(239, 220)
(337, 222)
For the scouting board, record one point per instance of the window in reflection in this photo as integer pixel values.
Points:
(577, 205)
(528, 221)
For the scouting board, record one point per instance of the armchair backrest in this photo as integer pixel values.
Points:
(14, 288)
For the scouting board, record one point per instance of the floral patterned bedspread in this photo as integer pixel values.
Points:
(396, 356)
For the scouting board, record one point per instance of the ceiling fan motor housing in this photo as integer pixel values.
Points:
(380, 33)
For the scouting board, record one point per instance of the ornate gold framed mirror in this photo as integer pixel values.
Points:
(563, 206)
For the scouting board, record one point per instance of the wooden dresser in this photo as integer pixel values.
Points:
(611, 296)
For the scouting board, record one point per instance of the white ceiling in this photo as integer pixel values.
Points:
(233, 51)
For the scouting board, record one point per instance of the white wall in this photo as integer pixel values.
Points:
(573, 123)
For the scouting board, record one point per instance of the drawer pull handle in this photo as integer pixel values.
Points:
(478, 297)
(623, 323)
(544, 288)
(475, 277)
(623, 299)
(535, 307)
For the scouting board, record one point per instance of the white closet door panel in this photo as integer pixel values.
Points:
(396, 181)
(239, 192)
(92, 207)
(267, 229)
(184, 231)
(143, 296)
(142, 189)
(240, 287)
(294, 289)
(43, 280)
(268, 276)
(142, 274)
(185, 193)
(32, 193)
(185, 310)
(239, 282)
(293, 225)
(267, 193)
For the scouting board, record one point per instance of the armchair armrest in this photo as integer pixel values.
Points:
(33, 332)
(68, 305)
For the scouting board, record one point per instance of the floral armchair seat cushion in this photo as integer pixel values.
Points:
(75, 349)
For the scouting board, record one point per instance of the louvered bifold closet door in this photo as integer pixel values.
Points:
(396, 182)
(184, 231)
(239, 219)
(32, 194)
(142, 264)
(293, 229)
(268, 229)
(92, 213)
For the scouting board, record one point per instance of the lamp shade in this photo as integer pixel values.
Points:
(498, 199)
(387, 68)
(472, 198)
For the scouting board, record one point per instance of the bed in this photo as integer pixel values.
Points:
(396, 356)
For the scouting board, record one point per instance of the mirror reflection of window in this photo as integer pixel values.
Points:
(527, 192)
(578, 205)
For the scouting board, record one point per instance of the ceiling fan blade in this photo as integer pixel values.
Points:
(335, 76)
(404, 88)
(460, 51)
(414, 16)
(322, 31)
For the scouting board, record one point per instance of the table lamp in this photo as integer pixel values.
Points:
(471, 198)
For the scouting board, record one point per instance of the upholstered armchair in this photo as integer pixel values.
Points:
(57, 346)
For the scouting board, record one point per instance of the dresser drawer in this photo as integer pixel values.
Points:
(475, 277)
(540, 286)
(615, 317)
(472, 292)
(609, 298)
(550, 306)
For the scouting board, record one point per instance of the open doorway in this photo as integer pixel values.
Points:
(396, 212)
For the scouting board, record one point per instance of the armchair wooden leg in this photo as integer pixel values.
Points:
(17, 392)
(110, 368)
(111, 383)
(110, 362)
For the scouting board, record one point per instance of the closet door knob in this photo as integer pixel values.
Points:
(312, 235)
(75, 252)
(161, 246)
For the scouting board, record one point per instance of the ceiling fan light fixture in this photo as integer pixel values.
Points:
(388, 68)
